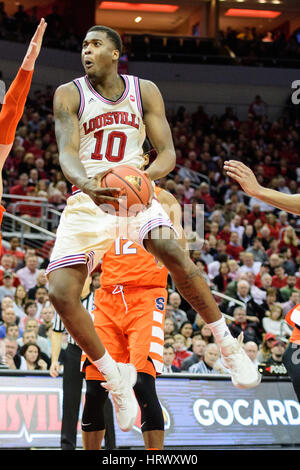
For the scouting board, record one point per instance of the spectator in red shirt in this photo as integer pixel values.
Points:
(273, 247)
(40, 165)
(208, 200)
(283, 221)
(181, 352)
(270, 170)
(8, 265)
(280, 278)
(195, 164)
(15, 250)
(234, 247)
(289, 240)
(225, 233)
(273, 225)
(20, 189)
(26, 209)
(37, 149)
(213, 230)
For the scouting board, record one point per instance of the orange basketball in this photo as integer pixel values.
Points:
(135, 185)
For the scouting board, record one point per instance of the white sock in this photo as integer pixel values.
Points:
(219, 329)
(106, 365)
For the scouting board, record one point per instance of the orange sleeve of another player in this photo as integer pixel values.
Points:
(13, 106)
(2, 210)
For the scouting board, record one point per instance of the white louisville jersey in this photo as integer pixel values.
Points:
(111, 132)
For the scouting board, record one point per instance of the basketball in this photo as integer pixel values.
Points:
(135, 185)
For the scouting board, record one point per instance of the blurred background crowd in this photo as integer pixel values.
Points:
(249, 254)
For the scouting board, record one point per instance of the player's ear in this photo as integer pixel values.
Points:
(115, 54)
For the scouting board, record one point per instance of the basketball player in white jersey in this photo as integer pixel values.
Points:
(101, 121)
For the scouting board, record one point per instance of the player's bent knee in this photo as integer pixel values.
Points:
(63, 293)
(93, 412)
(151, 413)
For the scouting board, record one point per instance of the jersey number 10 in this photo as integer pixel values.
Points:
(111, 139)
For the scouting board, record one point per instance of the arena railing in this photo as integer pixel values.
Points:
(49, 215)
(196, 177)
(242, 304)
(29, 234)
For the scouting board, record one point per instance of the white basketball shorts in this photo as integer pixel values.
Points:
(85, 232)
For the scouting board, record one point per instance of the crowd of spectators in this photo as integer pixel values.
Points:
(251, 44)
(21, 25)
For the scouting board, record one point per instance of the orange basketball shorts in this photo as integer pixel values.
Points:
(129, 321)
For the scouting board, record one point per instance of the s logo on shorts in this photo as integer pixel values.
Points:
(160, 303)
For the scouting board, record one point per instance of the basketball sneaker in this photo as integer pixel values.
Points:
(122, 394)
(243, 372)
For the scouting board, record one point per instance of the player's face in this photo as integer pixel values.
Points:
(98, 53)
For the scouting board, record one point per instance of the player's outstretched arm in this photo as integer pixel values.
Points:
(17, 93)
(158, 131)
(16, 96)
(34, 46)
(246, 178)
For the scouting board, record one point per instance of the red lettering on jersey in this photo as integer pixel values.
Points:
(133, 123)
(124, 117)
(86, 130)
(116, 117)
(98, 120)
(107, 119)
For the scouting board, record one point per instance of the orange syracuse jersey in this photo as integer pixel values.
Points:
(127, 263)
(293, 319)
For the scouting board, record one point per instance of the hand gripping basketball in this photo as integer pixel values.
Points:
(137, 191)
(98, 194)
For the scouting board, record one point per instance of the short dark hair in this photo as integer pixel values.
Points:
(111, 33)
(169, 346)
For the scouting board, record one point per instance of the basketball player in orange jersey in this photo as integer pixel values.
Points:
(14, 101)
(129, 319)
(289, 203)
(101, 120)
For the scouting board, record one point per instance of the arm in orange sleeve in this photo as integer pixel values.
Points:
(16, 96)
(15, 99)
(13, 107)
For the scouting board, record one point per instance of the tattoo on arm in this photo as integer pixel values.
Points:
(65, 128)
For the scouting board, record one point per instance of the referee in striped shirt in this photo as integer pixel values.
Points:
(72, 383)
